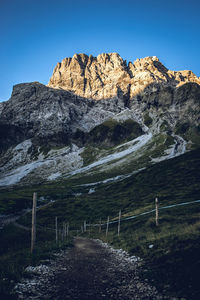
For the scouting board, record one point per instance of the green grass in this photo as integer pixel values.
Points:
(189, 133)
(15, 254)
(19, 197)
(89, 155)
(172, 264)
(139, 159)
(112, 132)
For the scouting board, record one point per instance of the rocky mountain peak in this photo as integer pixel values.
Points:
(113, 58)
(150, 63)
(108, 75)
(91, 77)
(45, 129)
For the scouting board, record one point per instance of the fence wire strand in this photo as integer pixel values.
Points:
(40, 227)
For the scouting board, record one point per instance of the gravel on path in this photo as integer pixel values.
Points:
(91, 270)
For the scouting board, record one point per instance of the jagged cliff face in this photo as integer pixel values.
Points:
(50, 115)
(146, 113)
(108, 75)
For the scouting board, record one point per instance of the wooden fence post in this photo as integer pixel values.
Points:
(65, 230)
(157, 216)
(56, 223)
(85, 226)
(107, 226)
(119, 222)
(100, 226)
(33, 230)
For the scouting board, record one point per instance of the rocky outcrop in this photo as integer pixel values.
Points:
(50, 115)
(48, 131)
(108, 75)
(54, 116)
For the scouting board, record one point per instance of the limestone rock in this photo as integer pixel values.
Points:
(108, 75)
(50, 115)
(138, 98)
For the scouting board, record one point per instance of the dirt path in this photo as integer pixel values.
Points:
(89, 271)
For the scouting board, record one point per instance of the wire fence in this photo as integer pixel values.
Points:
(63, 230)
(147, 212)
(117, 220)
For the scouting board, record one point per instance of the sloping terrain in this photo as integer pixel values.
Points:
(89, 159)
(169, 252)
(88, 271)
(47, 133)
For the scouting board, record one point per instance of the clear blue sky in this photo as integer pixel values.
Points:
(36, 34)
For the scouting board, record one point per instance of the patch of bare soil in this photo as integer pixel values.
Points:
(88, 271)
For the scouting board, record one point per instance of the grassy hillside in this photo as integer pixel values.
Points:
(16, 198)
(172, 262)
(173, 181)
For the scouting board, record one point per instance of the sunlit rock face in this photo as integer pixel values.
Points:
(54, 113)
(108, 75)
(49, 131)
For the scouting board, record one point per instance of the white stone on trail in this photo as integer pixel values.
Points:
(90, 270)
(120, 253)
(38, 269)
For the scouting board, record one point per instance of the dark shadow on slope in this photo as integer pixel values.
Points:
(50, 116)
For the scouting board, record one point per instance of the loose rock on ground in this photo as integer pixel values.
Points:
(90, 270)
